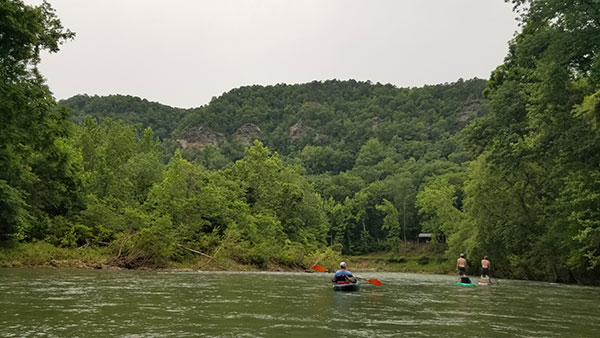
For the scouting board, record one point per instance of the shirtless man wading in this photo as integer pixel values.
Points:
(461, 265)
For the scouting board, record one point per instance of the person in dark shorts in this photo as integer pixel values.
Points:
(461, 266)
(485, 267)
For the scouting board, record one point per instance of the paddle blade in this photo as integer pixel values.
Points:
(319, 268)
(374, 281)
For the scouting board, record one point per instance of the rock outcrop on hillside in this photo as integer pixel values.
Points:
(375, 121)
(247, 133)
(468, 111)
(199, 138)
(299, 130)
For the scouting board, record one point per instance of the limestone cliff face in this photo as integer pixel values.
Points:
(247, 133)
(299, 130)
(468, 111)
(375, 121)
(199, 138)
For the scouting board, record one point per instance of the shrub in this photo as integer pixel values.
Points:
(63, 233)
(397, 260)
(150, 247)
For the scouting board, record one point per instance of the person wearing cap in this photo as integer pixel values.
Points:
(343, 276)
(461, 266)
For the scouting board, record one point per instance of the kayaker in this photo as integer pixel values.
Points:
(461, 266)
(343, 276)
(485, 267)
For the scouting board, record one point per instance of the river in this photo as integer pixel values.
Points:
(108, 303)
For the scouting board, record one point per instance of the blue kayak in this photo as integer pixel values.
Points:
(346, 287)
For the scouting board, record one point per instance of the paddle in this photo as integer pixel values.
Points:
(370, 280)
(319, 268)
(495, 279)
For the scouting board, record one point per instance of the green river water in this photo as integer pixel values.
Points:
(100, 303)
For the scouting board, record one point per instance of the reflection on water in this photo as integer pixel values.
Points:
(87, 303)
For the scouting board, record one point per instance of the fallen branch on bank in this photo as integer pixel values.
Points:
(196, 251)
(211, 258)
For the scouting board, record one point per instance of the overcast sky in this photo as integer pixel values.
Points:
(182, 53)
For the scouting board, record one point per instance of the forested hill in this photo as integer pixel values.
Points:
(333, 118)
(341, 114)
(131, 110)
(367, 149)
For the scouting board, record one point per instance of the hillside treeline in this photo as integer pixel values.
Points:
(506, 168)
(366, 158)
(365, 148)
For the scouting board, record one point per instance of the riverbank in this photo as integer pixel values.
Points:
(412, 258)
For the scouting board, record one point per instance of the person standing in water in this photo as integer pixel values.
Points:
(461, 266)
(343, 276)
(485, 267)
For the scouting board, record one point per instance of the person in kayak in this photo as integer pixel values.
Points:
(461, 266)
(343, 276)
(485, 267)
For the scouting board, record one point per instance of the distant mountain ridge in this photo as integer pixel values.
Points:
(339, 114)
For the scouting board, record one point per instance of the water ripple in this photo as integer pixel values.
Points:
(82, 303)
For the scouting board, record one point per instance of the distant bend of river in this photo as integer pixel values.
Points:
(99, 303)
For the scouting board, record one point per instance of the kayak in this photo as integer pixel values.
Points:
(484, 282)
(346, 287)
(463, 284)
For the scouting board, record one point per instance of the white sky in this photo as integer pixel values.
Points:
(182, 53)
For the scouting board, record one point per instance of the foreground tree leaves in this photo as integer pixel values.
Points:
(531, 196)
(40, 173)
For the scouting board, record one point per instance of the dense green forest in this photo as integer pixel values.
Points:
(286, 175)
(361, 146)
(131, 110)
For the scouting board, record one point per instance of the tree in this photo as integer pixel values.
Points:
(534, 185)
(39, 171)
(437, 201)
(272, 188)
(391, 223)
